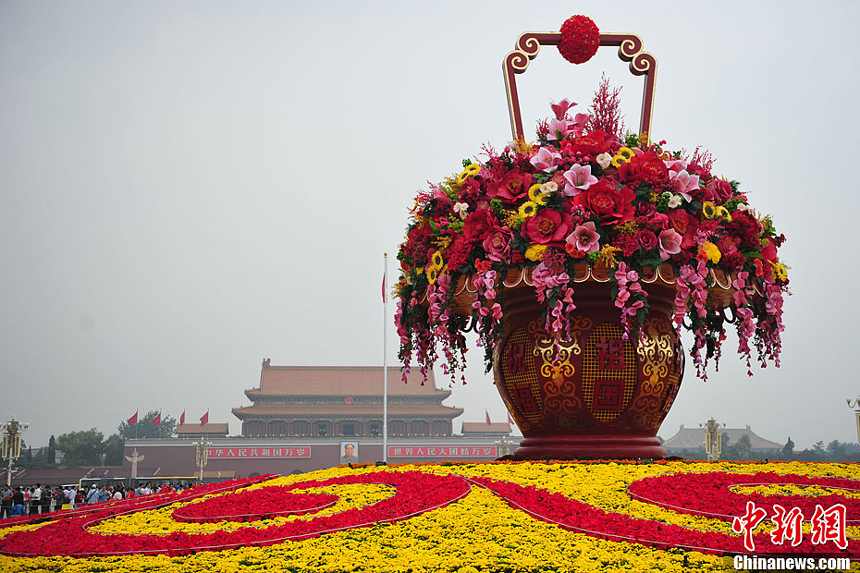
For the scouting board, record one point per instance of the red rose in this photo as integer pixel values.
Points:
(498, 244)
(513, 187)
(610, 204)
(686, 225)
(477, 225)
(768, 252)
(645, 167)
(548, 226)
(718, 190)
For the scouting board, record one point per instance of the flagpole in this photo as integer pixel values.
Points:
(385, 363)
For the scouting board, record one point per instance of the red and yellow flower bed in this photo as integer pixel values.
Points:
(671, 516)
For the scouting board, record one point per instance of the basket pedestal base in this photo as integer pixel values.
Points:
(594, 446)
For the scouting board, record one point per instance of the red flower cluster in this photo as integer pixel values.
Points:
(588, 195)
(580, 39)
(416, 493)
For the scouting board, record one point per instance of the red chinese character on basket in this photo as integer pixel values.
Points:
(749, 521)
(515, 354)
(610, 353)
(829, 525)
(788, 525)
(527, 401)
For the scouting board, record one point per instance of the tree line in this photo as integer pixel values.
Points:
(91, 448)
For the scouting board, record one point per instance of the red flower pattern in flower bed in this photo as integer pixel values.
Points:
(417, 493)
(252, 505)
(710, 494)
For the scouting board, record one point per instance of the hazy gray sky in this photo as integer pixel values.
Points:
(190, 187)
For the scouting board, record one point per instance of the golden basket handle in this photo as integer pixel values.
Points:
(629, 50)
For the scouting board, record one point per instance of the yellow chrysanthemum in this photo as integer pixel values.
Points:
(535, 252)
(779, 271)
(536, 196)
(436, 260)
(527, 209)
(711, 252)
(469, 171)
(624, 155)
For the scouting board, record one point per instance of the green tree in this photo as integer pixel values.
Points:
(114, 446)
(84, 448)
(740, 450)
(51, 456)
(145, 429)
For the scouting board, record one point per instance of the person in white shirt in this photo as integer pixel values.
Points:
(36, 499)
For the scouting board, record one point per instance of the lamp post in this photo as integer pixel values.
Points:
(713, 439)
(504, 446)
(202, 455)
(856, 405)
(12, 444)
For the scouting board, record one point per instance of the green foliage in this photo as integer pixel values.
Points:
(82, 448)
(113, 450)
(145, 429)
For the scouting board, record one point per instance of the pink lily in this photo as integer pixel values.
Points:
(585, 238)
(578, 178)
(545, 160)
(684, 183)
(670, 243)
(560, 108)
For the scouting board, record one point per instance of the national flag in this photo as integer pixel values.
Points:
(510, 420)
(204, 419)
(488, 417)
(383, 288)
(182, 418)
(133, 420)
(157, 420)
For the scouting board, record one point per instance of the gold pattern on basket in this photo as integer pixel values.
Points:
(556, 368)
(657, 355)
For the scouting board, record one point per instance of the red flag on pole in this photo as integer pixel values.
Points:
(510, 420)
(133, 420)
(182, 418)
(204, 419)
(488, 417)
(157, 420)
(383, 288)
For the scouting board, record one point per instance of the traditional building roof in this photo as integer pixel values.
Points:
(358, 410)
(194, 430)
(485, 429)
(341, 381)
(343, 400)
(694, 438)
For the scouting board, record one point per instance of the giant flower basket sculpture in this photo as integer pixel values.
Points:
(578, 259)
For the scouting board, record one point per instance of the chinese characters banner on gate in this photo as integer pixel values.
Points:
(260, 453)
(442, 452)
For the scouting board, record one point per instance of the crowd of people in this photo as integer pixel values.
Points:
(38, 499)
